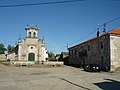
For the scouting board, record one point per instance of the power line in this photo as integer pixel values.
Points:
(36, 4)
(112, 20)
(82, 37)
(103, 25)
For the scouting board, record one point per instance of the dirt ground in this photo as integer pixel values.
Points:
(56, 78)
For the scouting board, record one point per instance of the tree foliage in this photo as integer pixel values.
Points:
(10, 49)
(51, 56)
(2, 48)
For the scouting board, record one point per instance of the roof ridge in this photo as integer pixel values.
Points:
(113, 31)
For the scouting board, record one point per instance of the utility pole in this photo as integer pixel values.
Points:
(38, 51)
(67, 46)
(98, 43)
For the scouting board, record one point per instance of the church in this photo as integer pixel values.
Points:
(31, 48)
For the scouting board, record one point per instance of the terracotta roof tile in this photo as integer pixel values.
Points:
(114, 31)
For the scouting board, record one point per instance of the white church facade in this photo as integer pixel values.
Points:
(31, 48)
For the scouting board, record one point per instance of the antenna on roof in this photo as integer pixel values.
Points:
(67, 46)
(104, 27)
(98, 31)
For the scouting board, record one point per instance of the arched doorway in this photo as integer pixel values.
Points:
(31, 57)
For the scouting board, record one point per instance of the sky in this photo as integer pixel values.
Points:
(60, 24)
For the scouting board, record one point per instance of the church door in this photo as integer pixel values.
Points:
(31, 57)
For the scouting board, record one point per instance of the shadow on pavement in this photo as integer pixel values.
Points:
(109, 85)
(75, 84)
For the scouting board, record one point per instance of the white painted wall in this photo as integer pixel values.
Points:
(115, 52)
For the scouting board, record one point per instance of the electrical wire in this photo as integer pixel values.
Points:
(40, 3)
(95, 30)
(83, 37)
(112, 20)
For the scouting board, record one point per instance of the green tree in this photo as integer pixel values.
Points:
(51, 56)
(10, 48)
(2, 48)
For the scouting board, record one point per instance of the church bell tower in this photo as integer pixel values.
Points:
(31, 32)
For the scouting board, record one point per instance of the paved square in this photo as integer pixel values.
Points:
(56, 78)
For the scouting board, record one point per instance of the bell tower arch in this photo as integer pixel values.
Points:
(31, 32)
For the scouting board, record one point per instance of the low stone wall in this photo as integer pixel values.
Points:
(53, 63)
(29, 63)
(2, 57)
(22, 63)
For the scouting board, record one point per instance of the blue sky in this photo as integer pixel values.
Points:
(61, 24)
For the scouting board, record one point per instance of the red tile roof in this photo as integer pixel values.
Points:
(114, 31)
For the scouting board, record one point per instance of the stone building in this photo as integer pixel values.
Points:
(31, 48)
(64, 56)
(11, 56)
(103, 50)
(2, 57)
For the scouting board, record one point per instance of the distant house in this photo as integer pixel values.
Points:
(103, 50)
(64, 57)
(2, 57)
(11, 56)
(57, 56)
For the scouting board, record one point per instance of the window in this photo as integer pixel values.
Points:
(31, 47)
(75, 52)
(102, 61)
(102, 44)
(29, 34)
(34, 34)
(88, 47)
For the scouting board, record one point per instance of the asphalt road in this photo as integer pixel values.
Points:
(56, 78)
